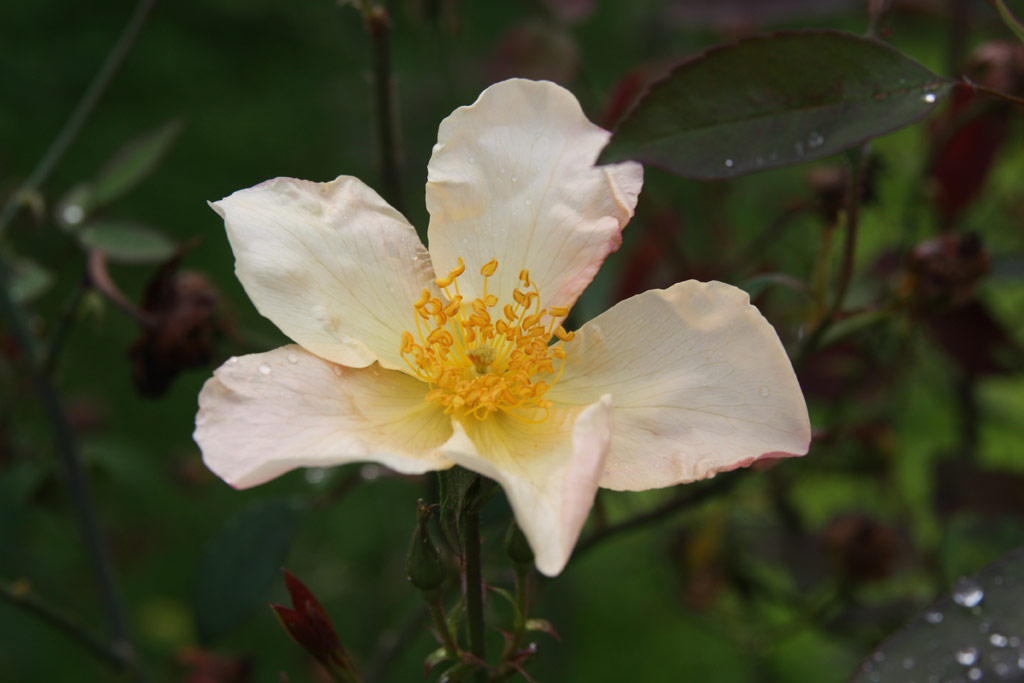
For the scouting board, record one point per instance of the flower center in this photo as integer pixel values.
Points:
(477, 364)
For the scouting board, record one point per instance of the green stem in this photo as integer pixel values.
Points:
(81, 113)
(451, 648)
(379, 25)
(19, 595)
(474, 587)
(63, 327)
(857, 173)
(67, 451)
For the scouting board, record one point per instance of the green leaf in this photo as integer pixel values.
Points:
(128, 242)
(772, 101)
(130, 166)
(241, 562)
(29, 280)
(975, 633)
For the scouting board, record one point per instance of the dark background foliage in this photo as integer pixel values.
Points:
(791, 572)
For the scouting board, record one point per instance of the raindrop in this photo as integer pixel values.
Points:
(370, 472)
(763, 391)
(968, 593)
(1020, 662)
(73, 214)
(759, 162)
(337, 370)
(528, 202)
(728, 163)
(974, 674)
(264, 369)
(233, 360)
(984, 626)
(933, 617)
(908, 663)
(967, 656)
(799, 148)
(472, 160)
(816, 140)
(292, 358)
(515, 179)
(1002, 669)
(879, 657)
(998, 640)
(929, 97)
(315, 475)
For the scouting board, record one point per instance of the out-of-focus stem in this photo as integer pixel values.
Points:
(379, 25)
(474, 587)
(99, 277)
(81, 113)
(20, 595)
(67, 450)
(857, 173)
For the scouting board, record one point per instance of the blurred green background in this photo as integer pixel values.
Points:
(791, 573)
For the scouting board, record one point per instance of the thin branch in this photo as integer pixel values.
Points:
(20, 595)
(80, 114)
(687, 497)
(67, 450)
(378, 24)
(474, 586)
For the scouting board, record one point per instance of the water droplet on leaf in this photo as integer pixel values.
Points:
(998, 640)
(933, 617)
(968, 593)
(728, 163)
(967, 656)
(929, 97)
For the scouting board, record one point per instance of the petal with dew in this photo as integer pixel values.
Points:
(512, 177)
(331, 264)
(700, 380)
(549, 471)
(267, 413)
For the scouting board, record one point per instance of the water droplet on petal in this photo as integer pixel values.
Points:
(528, 202)
(933, 617)
(728, 163)
(929, 97)
(764, 391)
(292, 358)
(967, 656)
(264, 369)
(515, 179)
(472, 160)
(337, 370)
(998, 640)
(967, 592)
(233, 360)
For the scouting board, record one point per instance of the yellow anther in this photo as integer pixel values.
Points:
(563, 335)
(477, 366)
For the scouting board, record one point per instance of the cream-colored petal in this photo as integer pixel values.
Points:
(512, 177)
(701, 384)
(265, 414)
(331, 264)
(549, 471)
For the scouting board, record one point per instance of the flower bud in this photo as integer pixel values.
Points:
(309, 626)
(423, 564)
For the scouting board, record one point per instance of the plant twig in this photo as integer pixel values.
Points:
(474, 586)
(378, 24)
(19, 594)
(81, 112)
(685, 498)
(849, 251)
(67, 450)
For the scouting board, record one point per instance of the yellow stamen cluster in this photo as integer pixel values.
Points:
(477, 363)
